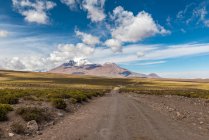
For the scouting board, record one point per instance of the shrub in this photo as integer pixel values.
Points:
(59, 103)
(73, 100)
(30, 98)
(3, 115)
(33, 113)
(9, 99)
(18, 128)
(4, 109)
(80, 97)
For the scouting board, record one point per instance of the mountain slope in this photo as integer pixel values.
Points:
(107, 70)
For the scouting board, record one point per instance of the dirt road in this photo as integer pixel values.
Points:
(121, 117)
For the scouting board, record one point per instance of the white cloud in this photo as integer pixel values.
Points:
(181, 14)
(114, 44)
(202, 13)
(30, 63)
(130, 28)
(140, 54)
(177, 51)
(62, 54)
(95, 9)
(34, 11)
(71, 3)
(150, 53)
(197, 13)
(186, 74)
(87, 38)
(66, 52)
(4, 33)
(151, 63)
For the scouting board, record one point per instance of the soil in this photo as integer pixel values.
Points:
(129, 116)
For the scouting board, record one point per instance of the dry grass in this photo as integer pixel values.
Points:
(189, 88)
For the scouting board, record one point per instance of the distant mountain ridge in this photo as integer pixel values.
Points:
(106, 70)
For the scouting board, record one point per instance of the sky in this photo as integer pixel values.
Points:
(170, 38)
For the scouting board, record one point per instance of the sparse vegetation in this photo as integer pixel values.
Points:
(8, 99)
(18, 128)
(59, 90)
(34, 113)
(4, 109)
(59, 103)
(156, 87)
(3, 115)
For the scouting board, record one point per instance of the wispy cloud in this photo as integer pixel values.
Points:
(151, 52)
(151, 63)
(4, 33)
(193, 12)
(186, 74)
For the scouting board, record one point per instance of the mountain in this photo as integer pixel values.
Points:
(107, 70)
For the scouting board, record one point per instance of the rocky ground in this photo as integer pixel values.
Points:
(192, 112)
(32, 128)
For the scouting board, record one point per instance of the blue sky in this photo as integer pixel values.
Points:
(165, 37)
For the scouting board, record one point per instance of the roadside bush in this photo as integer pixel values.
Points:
(3, 115)
(4, 109)
(9, 99)
(73, 100)
(18, 128)
(59, 103)
(80, 97)
(33, 113)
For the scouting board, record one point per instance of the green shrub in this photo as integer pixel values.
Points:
(59, 103)
(9, 99)
(18, 128)
(4, 109)
(33, 113)
(3, 115)
(80, 97)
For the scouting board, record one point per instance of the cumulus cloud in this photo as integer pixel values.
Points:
(95, 9)
(34, 11)
(151, 54)
(87, 38)
(30, 63)
(114, 44)
(62, 54)
(131, 28)
(4, 33)
(66, 52)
